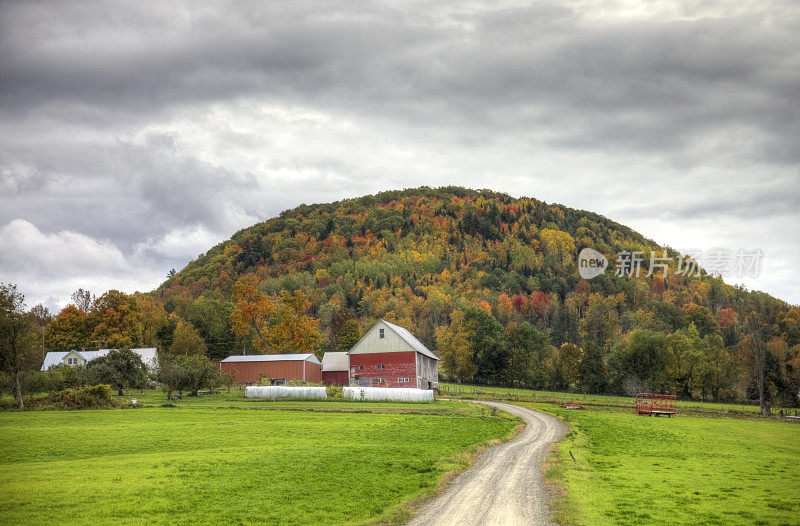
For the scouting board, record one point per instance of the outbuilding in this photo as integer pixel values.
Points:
(336, 369)
(390, 356)
(251, 368)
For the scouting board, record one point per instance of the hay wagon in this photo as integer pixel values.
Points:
(655, 404)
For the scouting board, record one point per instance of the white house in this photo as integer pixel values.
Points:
(148, 355)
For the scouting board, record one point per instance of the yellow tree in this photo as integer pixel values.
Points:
(291, 330)
(69, 330)
(505, 309)
(558, 243)
(452, 344)
(252, 312)
(281, 326)
(116, 321)
(187, 341)
(152, 317)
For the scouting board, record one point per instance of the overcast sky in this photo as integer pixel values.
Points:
(136, 135)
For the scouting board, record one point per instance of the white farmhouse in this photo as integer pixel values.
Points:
(74, 358)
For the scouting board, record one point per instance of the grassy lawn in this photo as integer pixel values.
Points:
(632, 469)
(235, 399)
(184, 466)
(469, 391)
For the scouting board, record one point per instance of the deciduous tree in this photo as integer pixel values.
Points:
(18, 356)
(120, 368)
(186, 341)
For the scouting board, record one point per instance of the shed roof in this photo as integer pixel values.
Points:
(271, 358)
(335, 361)
(411, 340)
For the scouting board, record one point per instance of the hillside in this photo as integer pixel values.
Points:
(456, 265)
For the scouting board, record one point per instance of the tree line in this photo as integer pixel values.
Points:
(453, 266)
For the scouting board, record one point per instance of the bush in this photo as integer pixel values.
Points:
(88, 397)
(334, 391)
(58, 378)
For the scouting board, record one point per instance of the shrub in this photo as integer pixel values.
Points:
(88, 397)
(334, 391)
(58, 378)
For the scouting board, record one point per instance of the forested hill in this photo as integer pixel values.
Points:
(490, 283)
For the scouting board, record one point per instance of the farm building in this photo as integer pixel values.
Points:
(250, 368)
(148, 355)
(390, 356)
(336, 369)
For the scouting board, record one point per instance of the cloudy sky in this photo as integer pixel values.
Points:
(135, 135)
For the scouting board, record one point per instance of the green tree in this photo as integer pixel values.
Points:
(348, 335)
(592, 375)
(189, 373)
(187, 341)
(565, 366)
(639, 362)
(488, 343)
(684, 356)
(717, 372)
(120, 368)
(455, 351)
(18, 355)
(200, 373)
(528, 350)
(212, 319)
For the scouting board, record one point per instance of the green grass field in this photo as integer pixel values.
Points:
(469, 392)
(207, 465)
(632, 469)
(235, 399)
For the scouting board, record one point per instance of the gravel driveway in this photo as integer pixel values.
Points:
(506, 485)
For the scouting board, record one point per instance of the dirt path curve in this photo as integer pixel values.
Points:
(506, 485)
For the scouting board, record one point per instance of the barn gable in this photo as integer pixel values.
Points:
(388, 337)
(390, 356)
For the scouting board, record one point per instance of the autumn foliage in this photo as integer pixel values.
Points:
(455, 265)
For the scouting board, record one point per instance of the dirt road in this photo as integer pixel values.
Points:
(506, 485)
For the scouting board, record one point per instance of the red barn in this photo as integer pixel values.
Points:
(249, 369)
(390, 356)
(336, 369)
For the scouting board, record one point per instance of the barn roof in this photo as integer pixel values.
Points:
(271, 358)
(149, 356)
(411, 340)
(335, 361)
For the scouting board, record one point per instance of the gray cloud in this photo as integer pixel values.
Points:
(159, 127)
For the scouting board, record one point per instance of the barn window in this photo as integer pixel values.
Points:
(381, 366)
(379, 380)
(402, 380)
(360, 367)
(72, 361)
(380, 333)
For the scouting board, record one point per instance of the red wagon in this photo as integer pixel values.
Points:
(655, 404)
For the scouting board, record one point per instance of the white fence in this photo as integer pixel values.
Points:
(280, 391)
(387, 393)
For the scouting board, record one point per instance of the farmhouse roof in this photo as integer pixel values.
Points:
(149, 356)
(335, 361)
(271, 358)
(411, 340)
